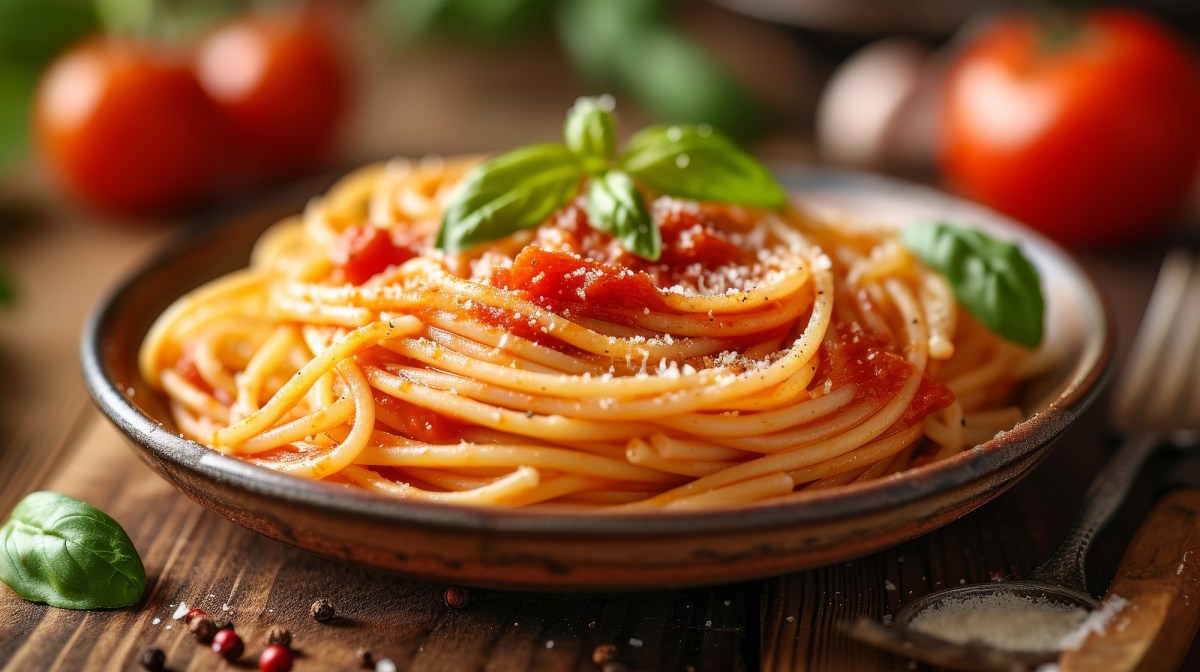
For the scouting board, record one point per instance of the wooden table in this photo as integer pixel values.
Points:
(53, 439)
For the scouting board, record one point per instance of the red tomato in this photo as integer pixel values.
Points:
(1089, 132)
(127, 127)
(281, 83)
(362, 252)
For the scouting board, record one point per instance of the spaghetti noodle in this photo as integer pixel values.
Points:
(762, 355)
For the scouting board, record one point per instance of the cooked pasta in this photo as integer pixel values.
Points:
(764, 354)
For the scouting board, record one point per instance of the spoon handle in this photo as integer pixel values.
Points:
(1105, 495)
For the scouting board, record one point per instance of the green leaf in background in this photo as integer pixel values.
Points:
(591, 128)
(17, 84)
(166, 20)
(34, 31)
(479, 20)
(594, 31)
(69, 554)
(8, 287)
(516, 190)
(992, 279)
(698, 162)
(615, 206)
(632, 44)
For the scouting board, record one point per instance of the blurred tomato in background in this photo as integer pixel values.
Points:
(125, 125)
(153, 106)
(1086, 127)
(280, 82)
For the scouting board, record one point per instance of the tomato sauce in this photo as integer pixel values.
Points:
(365, 251)
(582, 271)
(417, 422)
(878, 372)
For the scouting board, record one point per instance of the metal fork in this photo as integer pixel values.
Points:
(1156, 399)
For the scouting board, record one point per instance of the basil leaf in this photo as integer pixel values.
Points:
(591, 128)
(991, 278)
(516, 190)
(66, 553)
(615, 205)
(697, 162)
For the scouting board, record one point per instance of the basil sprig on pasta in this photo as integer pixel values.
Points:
(992, 279)
(521, 188)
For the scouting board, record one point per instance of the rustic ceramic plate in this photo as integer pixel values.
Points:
(559, 551)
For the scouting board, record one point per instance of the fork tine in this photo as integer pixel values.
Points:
(1168, 401)
(1137, 393)
(1189, 353)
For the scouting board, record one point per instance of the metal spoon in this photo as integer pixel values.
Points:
(1156, 399)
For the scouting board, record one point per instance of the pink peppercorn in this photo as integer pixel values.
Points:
(227, 643)
(275, 658)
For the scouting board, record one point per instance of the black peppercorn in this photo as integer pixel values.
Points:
(322, 610)
(153, 658)
(366, 659)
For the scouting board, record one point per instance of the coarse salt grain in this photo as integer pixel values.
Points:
(181, 611)
(1008, 622)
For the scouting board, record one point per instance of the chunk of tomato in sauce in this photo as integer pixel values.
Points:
(558, 280)
(365, 251)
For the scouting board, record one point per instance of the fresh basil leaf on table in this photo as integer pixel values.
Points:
(67, 553)
(516, 190)
(615, 206)
(698, 162)
(992, 279)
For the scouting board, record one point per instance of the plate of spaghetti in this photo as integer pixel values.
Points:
(607, 380)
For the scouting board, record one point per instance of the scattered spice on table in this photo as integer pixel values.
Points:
(227, 643)
(278, 636)
(153, 658)
(457, 597)
(275, 658)
(604, 653)
(202, 627)
(322, 610)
